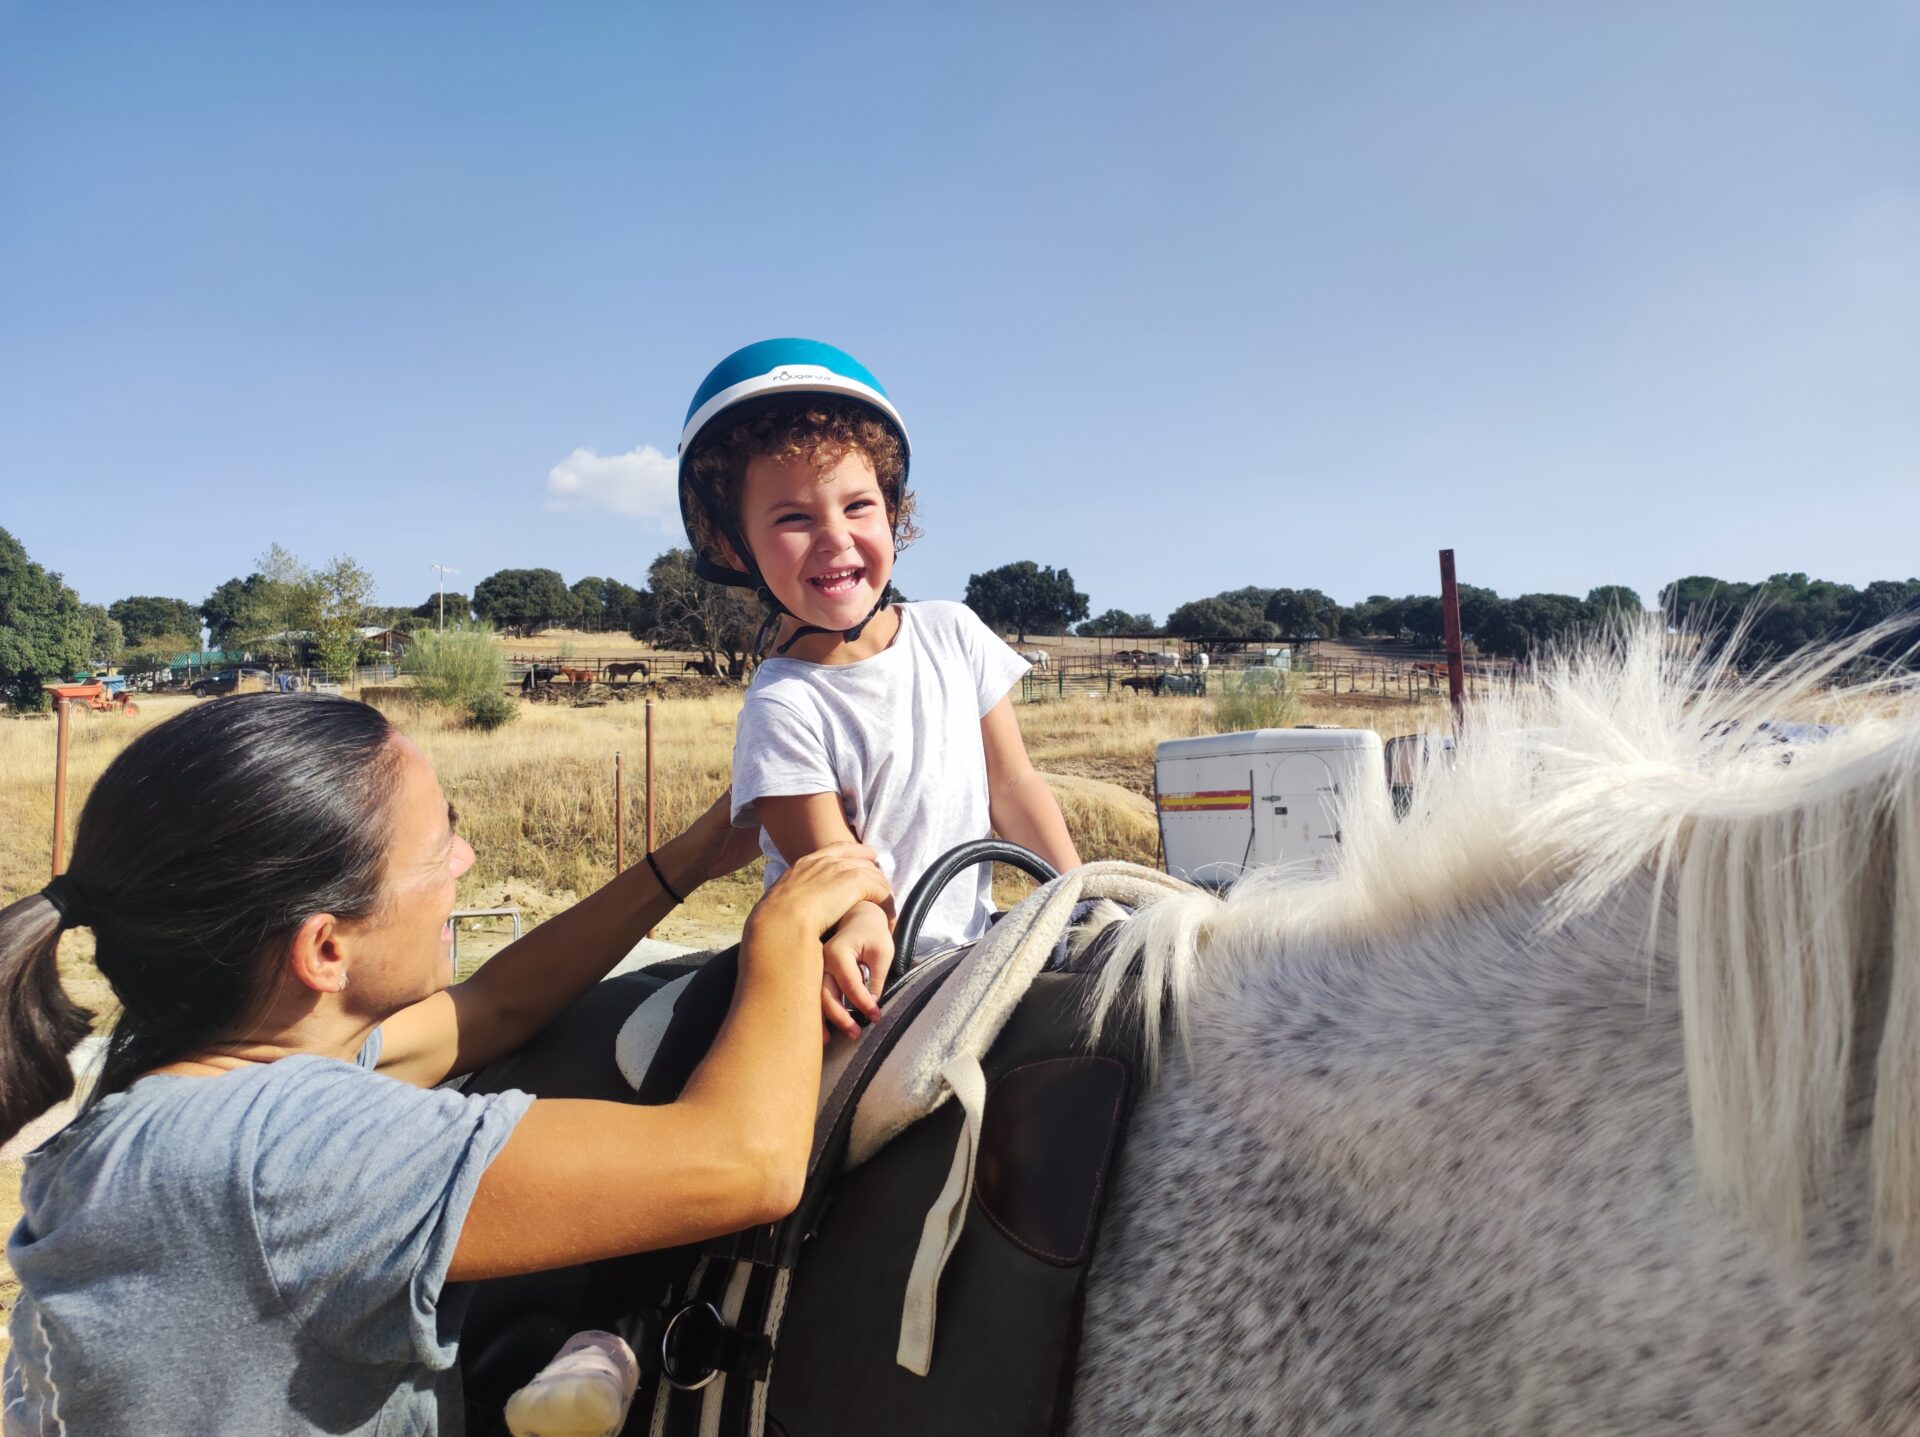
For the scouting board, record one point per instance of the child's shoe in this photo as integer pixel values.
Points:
(584, 1392)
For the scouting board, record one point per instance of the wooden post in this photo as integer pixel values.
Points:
(649, 805)
(1450, 622)
(61, 719)
(649, 802)
(619, 818)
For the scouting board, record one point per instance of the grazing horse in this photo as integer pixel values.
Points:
(1039, 658)
(626, 671)
(1585, 1099)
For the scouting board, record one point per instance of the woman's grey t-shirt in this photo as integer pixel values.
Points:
(897, 738)
(260, 1253)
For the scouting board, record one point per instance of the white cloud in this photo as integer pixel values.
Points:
(639, 482)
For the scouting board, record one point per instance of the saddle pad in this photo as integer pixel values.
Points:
(940, 1056)
(639, 1037)
(1010, 1296)
(966, 1015)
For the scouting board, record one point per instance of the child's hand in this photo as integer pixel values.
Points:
(864, 939)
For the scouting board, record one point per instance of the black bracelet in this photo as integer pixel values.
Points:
(663, 880)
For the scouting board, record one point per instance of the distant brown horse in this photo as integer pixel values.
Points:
(626, 671)
(576, 676)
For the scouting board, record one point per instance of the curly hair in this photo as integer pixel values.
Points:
(815, 428)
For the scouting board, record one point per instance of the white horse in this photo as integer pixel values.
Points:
(1585, 1100)
(1039, 658)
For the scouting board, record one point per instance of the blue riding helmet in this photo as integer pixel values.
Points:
(772, 367)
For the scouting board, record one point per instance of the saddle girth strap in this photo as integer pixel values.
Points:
(945, 1218)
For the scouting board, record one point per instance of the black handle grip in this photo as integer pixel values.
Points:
(913, 913)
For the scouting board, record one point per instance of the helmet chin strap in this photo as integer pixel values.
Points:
(777, 611)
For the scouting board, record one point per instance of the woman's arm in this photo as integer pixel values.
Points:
(531, 981)
(1021, 804)
(583, 1180)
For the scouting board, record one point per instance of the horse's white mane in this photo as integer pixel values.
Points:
(1639, 766)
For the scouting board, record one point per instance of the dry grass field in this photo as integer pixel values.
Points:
(577, 643)
(536, 799)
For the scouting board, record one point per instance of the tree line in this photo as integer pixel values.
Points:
(48, 633)
(1026, 598)
(1773, 617)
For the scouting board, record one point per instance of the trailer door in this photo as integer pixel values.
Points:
(1294, 813)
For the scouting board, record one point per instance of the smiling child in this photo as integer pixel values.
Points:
(873, 719)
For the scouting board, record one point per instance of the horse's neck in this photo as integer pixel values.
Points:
(1460, 1143)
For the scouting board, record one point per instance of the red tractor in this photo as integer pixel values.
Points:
(101, 695)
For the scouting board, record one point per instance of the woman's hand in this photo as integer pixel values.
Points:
(814, 895)
(714, 846)
(857, 958)
(579, 1179)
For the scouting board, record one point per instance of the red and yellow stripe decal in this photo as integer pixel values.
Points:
(1210, 800)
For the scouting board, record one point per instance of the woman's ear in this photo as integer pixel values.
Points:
(314, 958)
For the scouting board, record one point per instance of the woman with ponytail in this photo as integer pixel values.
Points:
(264, 1216)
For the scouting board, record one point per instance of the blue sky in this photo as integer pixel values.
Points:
(1181, 297)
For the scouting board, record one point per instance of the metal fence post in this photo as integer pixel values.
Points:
(62, 719)
(1450, 627)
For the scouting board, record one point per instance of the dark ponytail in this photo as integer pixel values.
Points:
(200, 851)
(40, 1022)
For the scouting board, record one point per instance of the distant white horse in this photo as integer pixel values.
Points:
(1039, 658)
(1584, 1100)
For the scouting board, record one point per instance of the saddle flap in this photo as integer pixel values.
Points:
(1045, 1148)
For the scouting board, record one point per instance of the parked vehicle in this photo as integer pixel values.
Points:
(231, 681)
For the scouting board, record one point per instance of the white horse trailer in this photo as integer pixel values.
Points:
(1234, 801)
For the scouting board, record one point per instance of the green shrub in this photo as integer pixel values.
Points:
(1254, 698)
(491, 711)
(457, 666)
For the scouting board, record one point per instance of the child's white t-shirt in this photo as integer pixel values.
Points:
(897, 737)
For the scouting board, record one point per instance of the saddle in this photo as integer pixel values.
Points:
(931, 1278)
